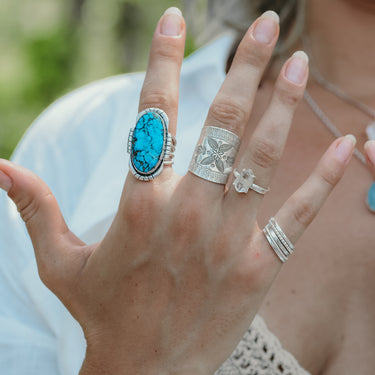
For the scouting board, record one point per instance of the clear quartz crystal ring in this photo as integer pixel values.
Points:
(278, 240)
(150, 145)
(245, 181)
(215, 154)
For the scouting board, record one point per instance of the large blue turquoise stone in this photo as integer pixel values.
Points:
(371, 198)
(148, 142)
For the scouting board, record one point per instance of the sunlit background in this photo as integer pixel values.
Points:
(49, 47)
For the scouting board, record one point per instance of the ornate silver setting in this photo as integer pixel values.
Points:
(245, 181)
(215, 154)
(278, 240)
(166, 157)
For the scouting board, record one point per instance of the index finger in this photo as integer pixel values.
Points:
(161, 84)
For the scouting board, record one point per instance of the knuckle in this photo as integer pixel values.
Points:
(29, 206)
(167, 50)
(248, 279)
(254, 55)
(223, 246)
(139, 210)
(187, 222)
(265, 154)
(288, 95)
(304, 211)
(228, 113)
(153, 98)
(28, 209)
(254, 269)
(47, 274)
(331, 176)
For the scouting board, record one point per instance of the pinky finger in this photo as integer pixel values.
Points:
(301, 208)
(370, 155)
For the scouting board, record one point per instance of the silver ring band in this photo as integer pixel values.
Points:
(215, 154)
(278, 240)
(150, 145)
(244, 181)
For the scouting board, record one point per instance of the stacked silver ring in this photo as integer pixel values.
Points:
(278, 240)
(170, 148)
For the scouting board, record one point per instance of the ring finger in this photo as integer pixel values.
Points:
(232, 105)
(264, 149)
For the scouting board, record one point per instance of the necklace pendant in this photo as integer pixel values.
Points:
(370, 201)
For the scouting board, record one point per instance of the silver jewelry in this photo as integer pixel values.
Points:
(340, 94)
(215, 154)
(150, 145)
(245, 181)
(370, 129)
(329, 124)
(278, 240)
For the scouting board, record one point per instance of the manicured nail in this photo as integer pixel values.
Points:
(266, 28)
(296, 69)
(345, 148)
(5, 181)
(370, 151)
(171, 23)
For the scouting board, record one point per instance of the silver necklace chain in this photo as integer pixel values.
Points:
(337, 92)
(329, 124)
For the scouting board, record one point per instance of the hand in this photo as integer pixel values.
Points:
(184, 267)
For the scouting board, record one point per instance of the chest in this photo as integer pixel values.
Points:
(327, 288)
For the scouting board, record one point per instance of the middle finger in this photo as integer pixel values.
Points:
(232, 105)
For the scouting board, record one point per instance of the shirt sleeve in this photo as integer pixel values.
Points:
(64, 147)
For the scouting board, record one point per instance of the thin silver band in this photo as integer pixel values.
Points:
(284, 239)
(273, 244)
(278, 240)
(244, 181)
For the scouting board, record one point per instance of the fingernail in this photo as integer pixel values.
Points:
(266, 27)
(5, 181)
(345, 148)
(297, 67)
(370, 151)
(171, 23)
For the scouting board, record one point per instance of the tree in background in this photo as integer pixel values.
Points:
(53, 46)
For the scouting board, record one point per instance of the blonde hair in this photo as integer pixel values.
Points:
(237, 15)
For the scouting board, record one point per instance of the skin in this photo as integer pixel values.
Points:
(322, 304)
(181, 306)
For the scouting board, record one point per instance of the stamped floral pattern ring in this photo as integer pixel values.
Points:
(215, 154)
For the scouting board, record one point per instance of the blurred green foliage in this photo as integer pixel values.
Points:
(50, 58)
(50, 47)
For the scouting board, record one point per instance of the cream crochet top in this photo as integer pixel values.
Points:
(260, 353)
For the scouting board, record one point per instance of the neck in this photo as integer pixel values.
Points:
(342, 35)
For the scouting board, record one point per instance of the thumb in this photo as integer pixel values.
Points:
(52, 240)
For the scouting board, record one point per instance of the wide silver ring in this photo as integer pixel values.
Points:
(278, 240)
(215, 154)
(150, 145)
(244, 181)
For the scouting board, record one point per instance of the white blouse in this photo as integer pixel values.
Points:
(78, 147)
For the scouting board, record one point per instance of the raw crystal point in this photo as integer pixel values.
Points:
(148, 142)
(371, 198)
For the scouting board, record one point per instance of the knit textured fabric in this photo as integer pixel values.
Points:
(260, 353)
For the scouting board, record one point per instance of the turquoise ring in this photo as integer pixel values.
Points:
(150, 145)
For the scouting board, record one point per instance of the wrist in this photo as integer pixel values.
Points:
(107, 362)
(99, 363)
